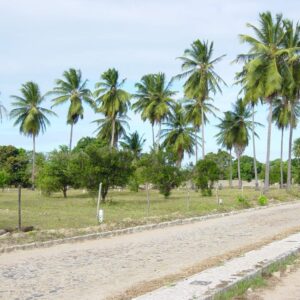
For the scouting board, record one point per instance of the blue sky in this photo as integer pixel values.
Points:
(41, 39)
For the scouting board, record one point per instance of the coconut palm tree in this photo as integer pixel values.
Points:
(281, 119)
(225, 138)
(195, 110)
(178, 134)
(30, 116)
(291, 86)
(198, 67)
(112, 100)
(263, 78)
(133, 143)
(105, 125)
(154, 100)
(72, 88)
(239, 128)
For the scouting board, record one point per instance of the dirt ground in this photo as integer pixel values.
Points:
(128, 265)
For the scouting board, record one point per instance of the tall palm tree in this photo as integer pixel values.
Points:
(281, 119)
(291, 88)
(154, 100)
(30, 115)
(111, 98)
(134, 143)
(72, 88)
(195, 110)
(178, 135)
(263, 78)
(198, 67)
(105, 125)
(225, 138)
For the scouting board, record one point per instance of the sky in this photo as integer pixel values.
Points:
(41, 39)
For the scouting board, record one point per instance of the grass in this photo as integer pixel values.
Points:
(239, 290)
(122, 208)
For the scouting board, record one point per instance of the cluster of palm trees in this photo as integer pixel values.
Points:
(270, 74)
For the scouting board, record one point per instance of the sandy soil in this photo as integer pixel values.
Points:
(131, 264)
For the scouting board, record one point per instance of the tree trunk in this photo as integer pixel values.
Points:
(113, 128)
(281, 156)
(158, 135)
(153, 139)
(65, 191)
(202, 130)
(230, 169)
(33, 163)
(254, 150)
(71, 136)
(239, 171)
(267, 170)
(289, 174)
(196, 146)
(179, 158)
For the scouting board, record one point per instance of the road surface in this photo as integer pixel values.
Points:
(104, 268)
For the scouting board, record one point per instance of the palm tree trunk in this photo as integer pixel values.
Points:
(202, 130)
(254, 150)
(158, 135)
(267, 170)
(196, 146)
(153, 139)
(113, 128)
(281, 156)
(239, 171)
(33, 163)
(289, 174)
(230, 169)
(71, 136)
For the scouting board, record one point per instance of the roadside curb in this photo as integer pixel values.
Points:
(135, 229)
(213, 282)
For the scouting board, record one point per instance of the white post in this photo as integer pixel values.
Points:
(99, 200)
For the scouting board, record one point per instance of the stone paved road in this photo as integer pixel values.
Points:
(101, 268)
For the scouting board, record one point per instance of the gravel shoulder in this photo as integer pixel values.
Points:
(105, 268)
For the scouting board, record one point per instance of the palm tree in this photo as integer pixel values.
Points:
(281, 119)
(198, 65)
(225, 138)
(133, 143)
(179, 136)
(291, 88)
(2, 111)
(239, 129)
(111, 98)
(263, 67)
(72, 88)
(105, 125)
(30, 115)
(154, 100)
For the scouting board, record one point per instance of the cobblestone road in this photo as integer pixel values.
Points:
(101, 268)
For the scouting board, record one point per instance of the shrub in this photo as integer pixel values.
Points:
(243, 201)
(262, 200)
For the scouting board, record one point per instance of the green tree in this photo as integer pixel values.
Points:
(154, 100)
(178, 135)
(30, 116)
(113, 101)
(205, 174)
(4, 178)
(56, 174)
(72, 88)
(133, 143)
(263, 78)
(198, 65)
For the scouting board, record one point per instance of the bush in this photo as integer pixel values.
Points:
(206, 173)
(243, 201)
(262, 200)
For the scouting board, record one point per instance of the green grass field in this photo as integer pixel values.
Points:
(123, 208)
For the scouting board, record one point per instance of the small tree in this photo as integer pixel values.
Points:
(159, 168)
(206, 173)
